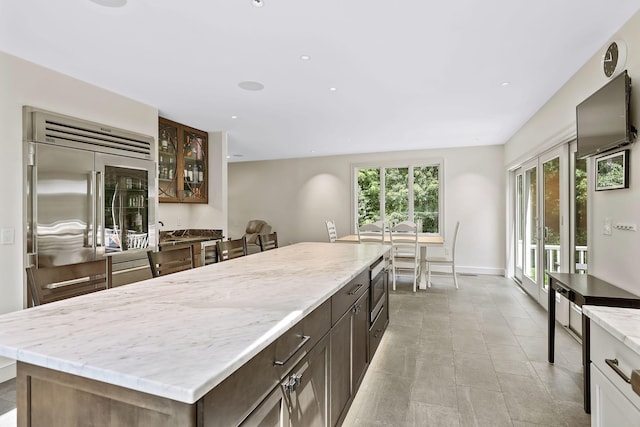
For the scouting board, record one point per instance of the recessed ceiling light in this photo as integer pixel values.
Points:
(257, 3)
(234, 117)
(504, 84)
(228, 157)
(249, 85)
(305, 57)
(110, 3)
(333, 89)
(312, 151)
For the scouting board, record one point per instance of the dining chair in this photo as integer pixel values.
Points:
(405, 252)
(448, 259)
(371, 233)
(48, 284)
(230, 249)
(331, 230)
(171, 261)
(268, 241)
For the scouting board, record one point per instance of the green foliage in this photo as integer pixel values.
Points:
(610, 173)
(426, 192)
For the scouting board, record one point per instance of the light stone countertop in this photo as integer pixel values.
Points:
(622, 323)
(180, 335)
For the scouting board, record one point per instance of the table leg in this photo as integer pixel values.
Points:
(552, 320)
(586, 362)
(422, 284)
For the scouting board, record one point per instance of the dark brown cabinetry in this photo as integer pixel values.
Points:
(300, 400)
(182, 163)
(307, 377)
(349, 344)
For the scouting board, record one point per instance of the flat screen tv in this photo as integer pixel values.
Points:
(603, 118)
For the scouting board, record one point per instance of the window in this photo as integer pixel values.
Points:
(399, 193)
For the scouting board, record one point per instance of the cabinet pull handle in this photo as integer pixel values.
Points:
(613, 364)
(354, 290)
(305, 338)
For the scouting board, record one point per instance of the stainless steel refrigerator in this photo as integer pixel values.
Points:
(90, 190)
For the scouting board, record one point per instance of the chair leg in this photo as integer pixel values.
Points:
(428, 275)
(393, 271)
(455, 276)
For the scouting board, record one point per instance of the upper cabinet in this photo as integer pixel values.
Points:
(182, 163)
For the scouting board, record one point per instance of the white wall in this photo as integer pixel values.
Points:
(612, 258)
(296, 196)
(23, 83)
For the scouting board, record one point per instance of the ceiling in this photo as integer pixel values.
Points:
(407, 74)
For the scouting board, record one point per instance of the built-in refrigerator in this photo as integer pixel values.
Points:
(90, 190)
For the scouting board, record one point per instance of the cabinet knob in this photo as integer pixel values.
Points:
(293, 382)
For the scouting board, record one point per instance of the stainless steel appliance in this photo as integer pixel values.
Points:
(90, 190)
(377, 288)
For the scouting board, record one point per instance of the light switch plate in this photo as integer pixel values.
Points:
(606, 229)
(7, 236)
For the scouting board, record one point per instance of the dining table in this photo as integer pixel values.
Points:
(423, 242)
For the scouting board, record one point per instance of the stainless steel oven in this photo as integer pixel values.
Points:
(377, 288)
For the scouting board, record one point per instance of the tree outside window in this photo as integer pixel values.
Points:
(396, 194)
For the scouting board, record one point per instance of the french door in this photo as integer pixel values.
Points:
(541, 237)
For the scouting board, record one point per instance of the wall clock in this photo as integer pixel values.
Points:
(614, 59)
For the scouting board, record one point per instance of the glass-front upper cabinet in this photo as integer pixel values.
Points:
(182, 163)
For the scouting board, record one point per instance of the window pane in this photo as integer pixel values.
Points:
(426, 192)
(396, 195)
(368, 196)
(581, 215)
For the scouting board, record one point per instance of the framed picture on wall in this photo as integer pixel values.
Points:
(612, 171)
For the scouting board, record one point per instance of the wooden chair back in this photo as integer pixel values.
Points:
(268, 241)
(331, 230)
(171, 261)
(56, 283)
(230, 249)
(371, 233)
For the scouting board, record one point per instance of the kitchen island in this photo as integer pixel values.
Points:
(199, 347)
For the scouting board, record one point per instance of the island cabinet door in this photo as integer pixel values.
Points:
(300, 400)
(307, 388)
(349, 347)
(272, 412)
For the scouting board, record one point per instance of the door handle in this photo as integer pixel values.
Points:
(99, 210)
(354, 290)
(305, 338)
(613, 364)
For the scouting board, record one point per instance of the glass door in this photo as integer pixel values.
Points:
(519, 225)
(540, 236)
(168, 161)
(530, 225)
(125, 205)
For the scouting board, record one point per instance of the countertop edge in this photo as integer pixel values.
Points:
(619, 322)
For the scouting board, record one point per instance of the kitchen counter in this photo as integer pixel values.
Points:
(178, 336)
(178, 237)
(622, 323)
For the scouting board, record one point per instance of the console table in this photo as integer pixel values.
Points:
(584, 289)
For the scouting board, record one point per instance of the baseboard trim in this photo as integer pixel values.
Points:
(488, 271)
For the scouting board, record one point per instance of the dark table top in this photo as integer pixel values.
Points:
(587, 285)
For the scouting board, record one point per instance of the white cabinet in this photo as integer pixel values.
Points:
(613, 402)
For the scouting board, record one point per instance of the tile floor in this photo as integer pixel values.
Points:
(475, 356)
